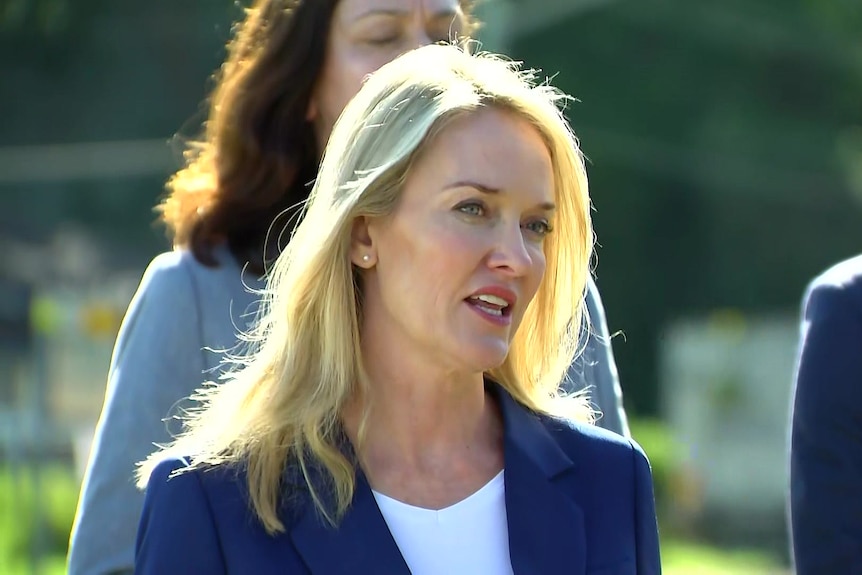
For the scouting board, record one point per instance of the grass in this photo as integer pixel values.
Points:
(51, 565)
(679, 558)
(689, 558)
(57, 494)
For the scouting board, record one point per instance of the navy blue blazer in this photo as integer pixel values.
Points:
(826, 428)
(579, 501)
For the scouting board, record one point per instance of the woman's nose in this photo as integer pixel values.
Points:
(511, 253)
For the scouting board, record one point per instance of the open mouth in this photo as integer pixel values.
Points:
(490, 304)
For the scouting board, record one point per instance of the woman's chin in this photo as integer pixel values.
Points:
(486, 356)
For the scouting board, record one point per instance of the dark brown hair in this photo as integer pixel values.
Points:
(257, 156)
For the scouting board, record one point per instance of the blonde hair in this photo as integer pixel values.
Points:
(281, 406)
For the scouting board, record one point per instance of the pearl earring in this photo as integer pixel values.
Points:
(366, 257)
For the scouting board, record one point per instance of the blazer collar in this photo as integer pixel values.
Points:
(546, 527)
(360, 543)
(526, 433)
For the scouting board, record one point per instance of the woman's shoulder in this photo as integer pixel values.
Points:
(171, 466)
(582, 441)
(171, 271)
(223, 487)
(842, 274)
(555, 432)
(197, 512)
(182, 262)
(178, 477)
(180, 272)
(166, 287)
(838, 287)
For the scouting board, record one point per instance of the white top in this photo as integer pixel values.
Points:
(469, 537)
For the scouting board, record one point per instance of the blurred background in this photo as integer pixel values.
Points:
(725, 149)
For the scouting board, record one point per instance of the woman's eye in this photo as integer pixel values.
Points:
(472, 209)
(383, 40)
(539, 227)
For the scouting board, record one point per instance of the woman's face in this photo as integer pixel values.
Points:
(366, 34)
(450, 272)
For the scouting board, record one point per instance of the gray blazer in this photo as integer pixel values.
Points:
(181, 311)
(596, 370)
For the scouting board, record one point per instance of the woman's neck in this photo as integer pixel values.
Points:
(428, 442)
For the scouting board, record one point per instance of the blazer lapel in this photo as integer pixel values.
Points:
(546, 527)
(361, 543)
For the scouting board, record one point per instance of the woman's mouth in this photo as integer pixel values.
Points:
(491, 307)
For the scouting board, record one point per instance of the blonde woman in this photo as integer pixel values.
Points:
(400, 413)
(290, 67)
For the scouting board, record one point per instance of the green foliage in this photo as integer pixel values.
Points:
(721, 144)
(665, 456)
(54, 493)
(680, 554)
(51, 565)
(686, 558)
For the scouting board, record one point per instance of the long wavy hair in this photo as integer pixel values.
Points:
(281, 407)
(254, 162)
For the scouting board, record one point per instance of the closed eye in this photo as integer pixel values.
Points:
(383, 41)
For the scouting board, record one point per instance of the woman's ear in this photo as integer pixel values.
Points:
(362, 252)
